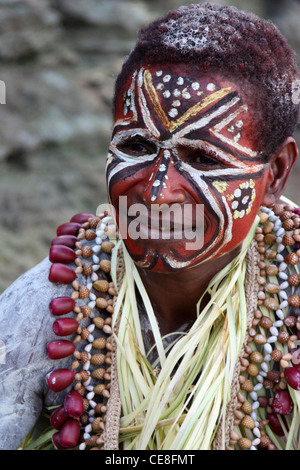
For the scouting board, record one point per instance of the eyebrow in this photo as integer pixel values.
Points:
(206, 119)
(216, 129)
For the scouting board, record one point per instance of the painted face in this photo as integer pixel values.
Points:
(184, 139)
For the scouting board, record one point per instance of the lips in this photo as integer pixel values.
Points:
(167, 223)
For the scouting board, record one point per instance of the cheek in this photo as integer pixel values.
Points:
(123, 184)
(120, 188)
(243, 199)
(124, 193)
(116, 192)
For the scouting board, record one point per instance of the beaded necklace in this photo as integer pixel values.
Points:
(266, 414)
(81, 419)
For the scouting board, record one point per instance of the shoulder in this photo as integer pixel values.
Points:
(24, 306)
(26, 326)
(25, 329)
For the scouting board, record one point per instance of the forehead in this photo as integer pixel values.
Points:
(176, 101)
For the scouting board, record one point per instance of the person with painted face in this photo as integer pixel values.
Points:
(147, 340)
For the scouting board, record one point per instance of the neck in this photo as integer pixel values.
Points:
(174, 295)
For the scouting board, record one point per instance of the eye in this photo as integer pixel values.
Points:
(137, 147)
(200, 160)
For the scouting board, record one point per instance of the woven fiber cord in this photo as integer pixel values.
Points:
(251, 291)
(111, 433)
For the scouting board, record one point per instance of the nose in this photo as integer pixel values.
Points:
(165, 182)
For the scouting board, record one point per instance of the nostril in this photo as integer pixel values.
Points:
(179, 195)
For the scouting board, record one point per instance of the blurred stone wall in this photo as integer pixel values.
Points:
(59, 59)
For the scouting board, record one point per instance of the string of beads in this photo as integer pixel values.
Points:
(270, 367)
(85, 241)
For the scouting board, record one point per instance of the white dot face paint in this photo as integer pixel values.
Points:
(237, 137)
(176, 103)
(173, 112)
(211, 87)
(179, 145)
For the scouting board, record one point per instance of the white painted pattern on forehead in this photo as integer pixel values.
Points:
(148, 121)
(204, 121)
(128, 118)
(151, 133)
(216, 131)
(201, 123)
(174, 106)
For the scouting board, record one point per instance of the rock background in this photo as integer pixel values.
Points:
(59, 59)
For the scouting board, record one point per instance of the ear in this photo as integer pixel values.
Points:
(280, 166)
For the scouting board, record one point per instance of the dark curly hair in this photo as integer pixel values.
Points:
(240, 46)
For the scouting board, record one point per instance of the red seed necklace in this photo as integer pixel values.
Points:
(269, 371)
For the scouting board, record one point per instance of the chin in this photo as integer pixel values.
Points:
(173, 257)
(165, 258)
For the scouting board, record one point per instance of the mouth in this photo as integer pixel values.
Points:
(163, 225)
(165, 232)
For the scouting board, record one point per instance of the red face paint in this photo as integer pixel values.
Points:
(184, 138)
